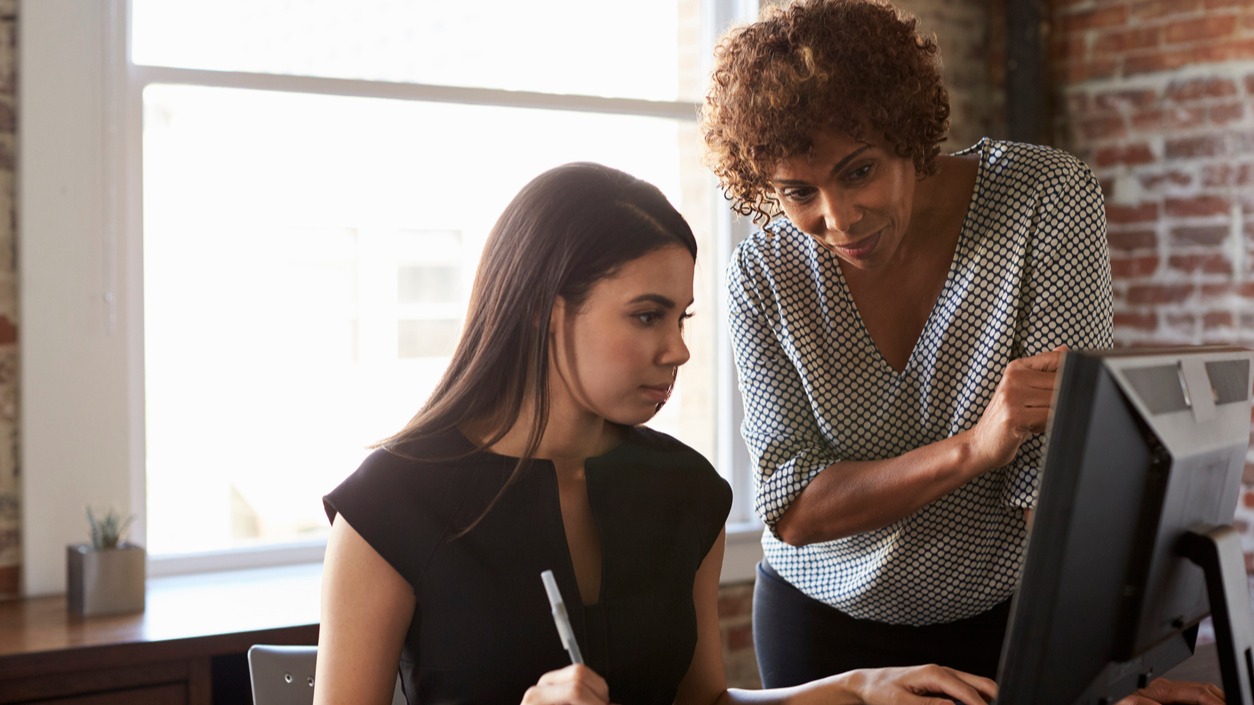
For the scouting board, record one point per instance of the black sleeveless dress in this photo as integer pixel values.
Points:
(482, 630)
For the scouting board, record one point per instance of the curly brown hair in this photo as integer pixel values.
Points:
(851, 65)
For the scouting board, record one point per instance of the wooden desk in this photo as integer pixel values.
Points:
(187, 648)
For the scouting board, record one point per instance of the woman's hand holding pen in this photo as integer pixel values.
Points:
(574, 685)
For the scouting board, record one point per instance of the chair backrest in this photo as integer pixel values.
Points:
(284, 675)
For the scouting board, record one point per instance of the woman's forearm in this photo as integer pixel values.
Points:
(849, 497)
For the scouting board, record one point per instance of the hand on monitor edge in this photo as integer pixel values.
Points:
(1168, 692)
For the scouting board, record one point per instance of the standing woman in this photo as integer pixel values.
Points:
(897, 333)
(530, 456)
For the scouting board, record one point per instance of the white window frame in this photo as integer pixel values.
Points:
(81, 300)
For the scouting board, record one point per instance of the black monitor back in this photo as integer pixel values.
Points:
(1142, 445)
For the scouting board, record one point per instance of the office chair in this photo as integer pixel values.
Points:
(284, 675)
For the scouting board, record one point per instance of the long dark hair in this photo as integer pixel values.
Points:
(565, 230)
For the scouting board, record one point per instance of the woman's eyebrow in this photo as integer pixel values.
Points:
(835, 170)
(840, 165)
(664, 301)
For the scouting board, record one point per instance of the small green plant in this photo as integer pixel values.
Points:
(107, 531)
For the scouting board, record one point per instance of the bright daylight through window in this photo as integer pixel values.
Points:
(309, 241)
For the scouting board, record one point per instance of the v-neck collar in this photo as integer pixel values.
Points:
(960, 254)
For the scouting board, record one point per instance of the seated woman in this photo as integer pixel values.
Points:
(529, 456)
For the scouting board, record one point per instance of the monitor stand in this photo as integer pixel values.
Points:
(1218, 551)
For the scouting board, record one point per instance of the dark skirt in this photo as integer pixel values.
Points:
(799, 639)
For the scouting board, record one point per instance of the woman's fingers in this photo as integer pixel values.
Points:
(573, 685)
(1162, 691)
(923, 685)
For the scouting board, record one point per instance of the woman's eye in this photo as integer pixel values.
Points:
(649, 317)
(796, 195)
(860, 173)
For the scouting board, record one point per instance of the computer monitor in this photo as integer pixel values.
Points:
(1142, 469)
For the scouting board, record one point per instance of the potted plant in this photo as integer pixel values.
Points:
(107, 575)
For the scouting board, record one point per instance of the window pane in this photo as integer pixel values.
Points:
(307, 264)
(639, 49)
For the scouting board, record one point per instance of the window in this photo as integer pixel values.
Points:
(294, 195)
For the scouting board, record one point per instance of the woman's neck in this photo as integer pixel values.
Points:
(568, 437)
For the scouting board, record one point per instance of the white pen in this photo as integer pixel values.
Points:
(559, 617)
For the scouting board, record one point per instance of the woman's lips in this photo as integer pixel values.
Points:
(658, 394)
(860, 249)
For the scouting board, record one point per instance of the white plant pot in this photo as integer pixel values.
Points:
(106, 581)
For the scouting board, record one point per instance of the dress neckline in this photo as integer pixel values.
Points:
(959, 255)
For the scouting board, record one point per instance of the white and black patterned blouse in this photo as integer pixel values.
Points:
(1031, 271)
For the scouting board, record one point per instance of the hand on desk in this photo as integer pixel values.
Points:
(923, 685)
(1168, 692)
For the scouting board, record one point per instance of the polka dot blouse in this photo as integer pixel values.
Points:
(1031, 271)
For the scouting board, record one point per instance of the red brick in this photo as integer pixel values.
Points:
(1227, 113)
(1216, 52)
(734, 603)
(1249, 83)
(1135, 321)
(1156, 9)
(8, 331)
(1084, 71)
(1207, 28)
(1218, 319)
(1227, 174)
(1157, 62)
(1140, 213)
(1148, 121)
(1123, 41)
(1125, 154)
(1211, 235)
(1200, 89)
(1220, 4)
(739, 637)
(1206, 264)
(1181, 320)
(1104, 127)
(10, 577)
(1193, 147)
(1114, 16)
(1128, 240)
(1159, 293)
(1133, 267)
(1198, 206)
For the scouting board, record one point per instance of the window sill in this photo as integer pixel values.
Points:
(744, 550)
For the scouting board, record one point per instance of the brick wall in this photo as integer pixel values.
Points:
(1157, 95)
(10, 515)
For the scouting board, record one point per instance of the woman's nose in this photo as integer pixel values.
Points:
(676, 352)
(840, 214)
